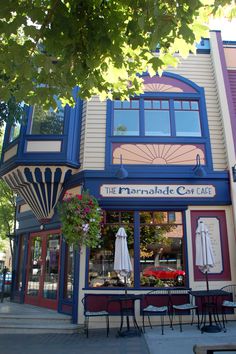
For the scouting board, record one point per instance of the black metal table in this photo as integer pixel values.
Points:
(127, 308)
(209, 300)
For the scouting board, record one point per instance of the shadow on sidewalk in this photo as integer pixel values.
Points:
(72, 343)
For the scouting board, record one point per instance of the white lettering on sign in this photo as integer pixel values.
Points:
(157, 191)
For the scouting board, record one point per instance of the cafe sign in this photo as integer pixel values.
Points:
(157, 190)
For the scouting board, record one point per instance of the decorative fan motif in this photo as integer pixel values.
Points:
(158, 154)
(161, 88)
(40, 187)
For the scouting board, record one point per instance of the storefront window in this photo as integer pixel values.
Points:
(161, 249)
(156, 246)
(101, 261)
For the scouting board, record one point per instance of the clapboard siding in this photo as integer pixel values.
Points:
(197, 68)
(232, 82)
(95, 132)
(82, 138)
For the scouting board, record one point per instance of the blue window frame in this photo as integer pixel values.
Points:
(157, 117)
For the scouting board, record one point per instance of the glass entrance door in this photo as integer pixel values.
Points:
(43, 270)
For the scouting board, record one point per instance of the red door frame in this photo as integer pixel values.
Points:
(39, 300)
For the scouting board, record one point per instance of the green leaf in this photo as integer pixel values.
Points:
(97, 45)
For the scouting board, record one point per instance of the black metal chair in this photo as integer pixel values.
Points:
(182, 304)
(94, 306)
(229, 303)
(155, 303)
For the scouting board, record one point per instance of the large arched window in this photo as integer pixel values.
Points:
(167, 125)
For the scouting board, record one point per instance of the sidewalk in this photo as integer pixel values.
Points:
(97, 343)
(152, 342)
(176, 342)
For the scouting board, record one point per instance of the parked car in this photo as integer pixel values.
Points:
(8, 281)
(165, 273)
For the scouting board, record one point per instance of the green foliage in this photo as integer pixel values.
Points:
(81, 220)
(7, 210)
(47, 47)
(151, 281)
(10, 112)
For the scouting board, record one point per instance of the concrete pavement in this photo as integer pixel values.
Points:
(152, 342)
(97, 343)
(176, 342)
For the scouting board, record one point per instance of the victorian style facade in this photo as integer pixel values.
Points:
(157, 164)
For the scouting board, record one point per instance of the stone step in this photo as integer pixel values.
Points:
(39, 328)
(35, 318)
(21, 318)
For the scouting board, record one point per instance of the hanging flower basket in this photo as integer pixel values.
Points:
(81, 220)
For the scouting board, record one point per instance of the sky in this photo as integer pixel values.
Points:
(228, 29)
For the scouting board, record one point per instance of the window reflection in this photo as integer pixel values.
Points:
(69, 272)
(187, 118)
(48, 122)
(156, 117)
(101, 261)
(161, 249)
(160, 240)
(126, 117)
(51, 267)
(35, 265)
(14, 131)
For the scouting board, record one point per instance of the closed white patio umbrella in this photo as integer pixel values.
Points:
(204, 252)
(122, 263)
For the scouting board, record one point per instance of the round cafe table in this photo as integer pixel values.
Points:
(209, 305)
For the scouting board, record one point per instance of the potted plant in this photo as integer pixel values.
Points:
(81, 220)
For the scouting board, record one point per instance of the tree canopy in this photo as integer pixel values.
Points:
(7, 210)
(48, 47)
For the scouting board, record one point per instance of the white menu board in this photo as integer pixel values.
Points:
(213, 225)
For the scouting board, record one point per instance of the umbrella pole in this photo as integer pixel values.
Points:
(207, 283)
(125, 279)
(127, 316)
